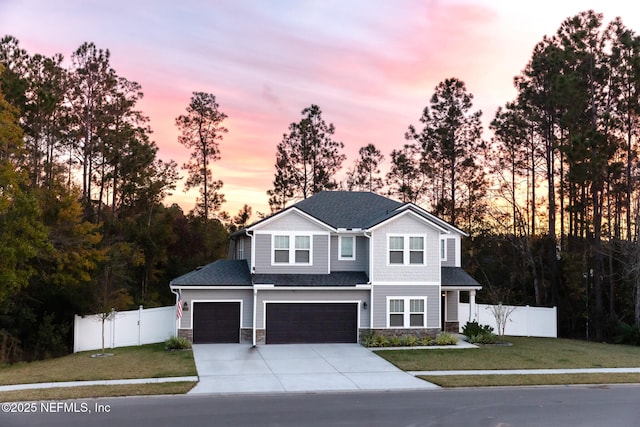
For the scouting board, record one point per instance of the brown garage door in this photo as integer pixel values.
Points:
(312, 323)
(216, 322)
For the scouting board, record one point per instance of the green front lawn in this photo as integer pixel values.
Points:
(147, 361)
(526, 353)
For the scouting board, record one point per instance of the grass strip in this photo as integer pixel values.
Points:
(529, 380)
(87, 392)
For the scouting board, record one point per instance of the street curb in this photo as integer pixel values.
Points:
(35, 386)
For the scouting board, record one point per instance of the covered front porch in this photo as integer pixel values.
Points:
(456, 281)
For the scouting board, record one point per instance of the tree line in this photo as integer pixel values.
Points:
(83, 224)
(550, 199)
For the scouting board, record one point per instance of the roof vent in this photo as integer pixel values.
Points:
(200, 267)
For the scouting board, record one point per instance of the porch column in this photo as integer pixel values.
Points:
(472, 305)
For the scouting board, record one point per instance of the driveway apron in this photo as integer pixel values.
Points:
(242, 368)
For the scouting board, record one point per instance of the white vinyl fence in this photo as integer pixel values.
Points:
(125, 328)
(524, 321)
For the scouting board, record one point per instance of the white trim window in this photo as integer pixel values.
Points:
(291, 249)
(443, 249)
(406, 250)
(406, 312)
(347, 248)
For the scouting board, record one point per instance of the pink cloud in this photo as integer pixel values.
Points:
(370, 65)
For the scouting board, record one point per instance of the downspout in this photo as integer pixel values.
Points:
(177, 320)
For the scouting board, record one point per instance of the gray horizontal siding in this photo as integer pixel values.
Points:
(382, 272)
(212, 295)
(320, 264)
(292, 221)
(264, 296)
(361, 263)
(381, 292)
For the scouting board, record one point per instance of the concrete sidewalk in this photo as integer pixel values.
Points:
(530, 371)
(14, 387)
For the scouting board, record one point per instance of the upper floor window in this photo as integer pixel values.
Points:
(291, 249)
(443, 250)
(405, 250)
(347, 248)
(303, 250)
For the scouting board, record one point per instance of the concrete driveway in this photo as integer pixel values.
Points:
(241, 368)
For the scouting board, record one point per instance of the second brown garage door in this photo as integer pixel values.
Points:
(289, 323)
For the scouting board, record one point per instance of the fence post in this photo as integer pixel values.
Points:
(140, 313)
(113, 328)
(528, 319)
(75, 333)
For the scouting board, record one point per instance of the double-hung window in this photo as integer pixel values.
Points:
(281, 249)
(406, 250)
(303, 250)
(396, 250)
(416, 250)
(289, 249)
(443, 250)
(347, 248)
(407, 312)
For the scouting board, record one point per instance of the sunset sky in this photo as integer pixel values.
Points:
(371, 65)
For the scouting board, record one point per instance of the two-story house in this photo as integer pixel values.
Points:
(327, 269)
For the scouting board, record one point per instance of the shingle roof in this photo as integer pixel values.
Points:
(347, 209)
(456, 276)
(219, 273)
(339, 278)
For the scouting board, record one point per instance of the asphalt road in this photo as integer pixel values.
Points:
(543, 406)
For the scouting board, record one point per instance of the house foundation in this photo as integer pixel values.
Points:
(186, 333)
(389, 333)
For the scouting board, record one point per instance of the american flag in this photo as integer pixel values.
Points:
(179, 311)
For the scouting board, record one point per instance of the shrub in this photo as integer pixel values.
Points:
(381, 341)
(178, 343)
(446, 339)
(627, 334)
(368, 339)
(472, 329)
(426, 341)
(484, 338)
(411, 340)
(395, 341)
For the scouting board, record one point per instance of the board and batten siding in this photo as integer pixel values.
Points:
(361, 263)
(381, 292)
(411, 226)
(246, 246)
(240, 248)
(451, 313)
(265, 296)
(451, 253)
(320, 257)
(213, 295)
